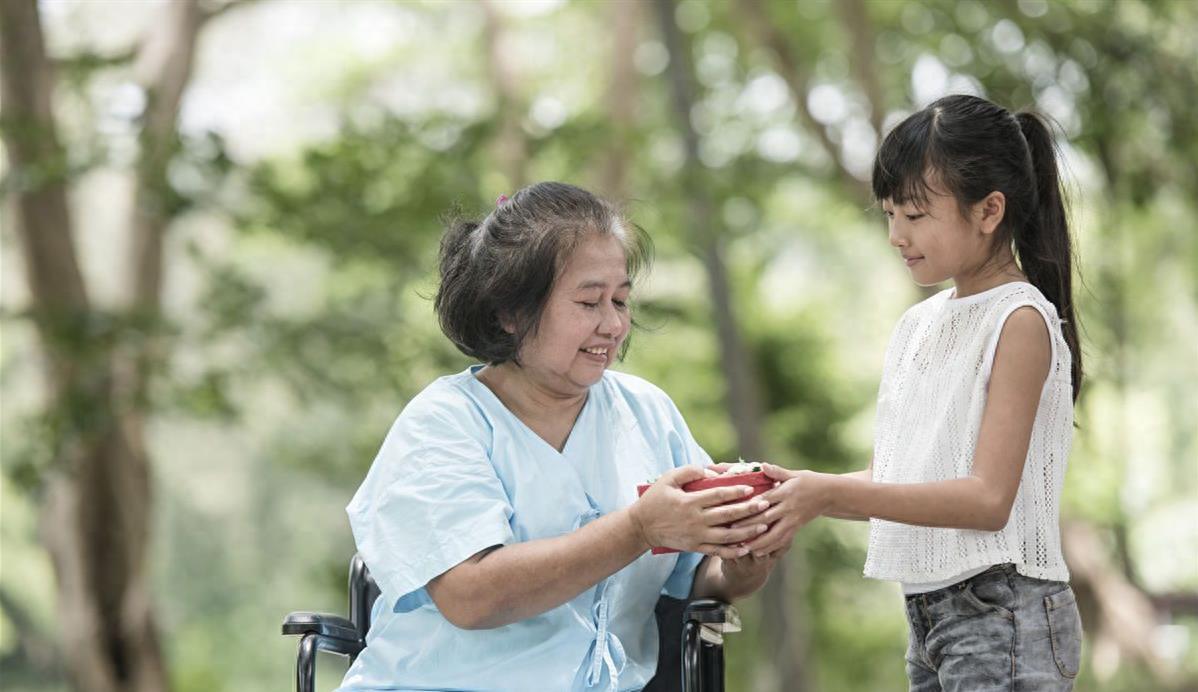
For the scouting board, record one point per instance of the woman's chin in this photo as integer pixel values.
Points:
(587, 376)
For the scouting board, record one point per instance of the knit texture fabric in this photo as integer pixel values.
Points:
(930, 405)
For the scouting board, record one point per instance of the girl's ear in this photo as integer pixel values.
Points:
(991, 211)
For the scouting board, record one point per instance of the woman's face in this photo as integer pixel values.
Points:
(585, 320)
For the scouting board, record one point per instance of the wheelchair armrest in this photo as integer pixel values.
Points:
(335, 633)
(714, 615)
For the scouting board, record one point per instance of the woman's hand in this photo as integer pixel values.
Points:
(668, 516)
(730, 579)
(744, 575)
(799, 497)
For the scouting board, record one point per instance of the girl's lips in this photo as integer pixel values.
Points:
(911, 260)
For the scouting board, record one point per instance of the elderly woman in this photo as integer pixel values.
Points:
(500, 518)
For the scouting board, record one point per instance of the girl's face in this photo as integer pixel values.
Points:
(585, 320)
(937, 242)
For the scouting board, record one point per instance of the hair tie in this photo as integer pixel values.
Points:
(500, 200)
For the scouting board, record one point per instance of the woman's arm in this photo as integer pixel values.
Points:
(981, 500)
(731, 579)
(499, 586)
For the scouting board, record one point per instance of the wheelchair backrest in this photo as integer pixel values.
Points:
(362, 593)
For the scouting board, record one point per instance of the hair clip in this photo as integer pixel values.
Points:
(500, 200)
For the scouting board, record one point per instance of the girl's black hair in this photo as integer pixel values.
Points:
(971, 147)
(504, 266)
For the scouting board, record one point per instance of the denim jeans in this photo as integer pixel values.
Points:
(997, 630)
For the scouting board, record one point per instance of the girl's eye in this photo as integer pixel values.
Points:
(914, 217)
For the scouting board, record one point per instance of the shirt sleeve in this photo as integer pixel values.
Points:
(682, 579)
(683, 446)
(431, 500)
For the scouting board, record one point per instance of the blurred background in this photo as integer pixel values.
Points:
(219, 231)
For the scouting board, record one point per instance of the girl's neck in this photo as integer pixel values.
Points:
(995, 271)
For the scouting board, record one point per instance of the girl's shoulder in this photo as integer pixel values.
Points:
(1024, 292)
(993, 300)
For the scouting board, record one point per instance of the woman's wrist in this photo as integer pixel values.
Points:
(736, 584)
(635, 527)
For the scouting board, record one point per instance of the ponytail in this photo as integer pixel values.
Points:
(1043, 245)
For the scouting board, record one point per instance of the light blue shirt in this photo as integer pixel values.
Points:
(457, 473)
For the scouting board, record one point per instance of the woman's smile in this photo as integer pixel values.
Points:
(597, 354)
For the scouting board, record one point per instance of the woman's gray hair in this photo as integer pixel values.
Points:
(502, 268)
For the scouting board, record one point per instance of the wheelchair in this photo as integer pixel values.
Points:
(699, 633)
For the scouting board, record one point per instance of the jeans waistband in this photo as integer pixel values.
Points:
(942, 593)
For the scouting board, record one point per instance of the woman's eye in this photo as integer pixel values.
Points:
(588, 305)
(620, 304)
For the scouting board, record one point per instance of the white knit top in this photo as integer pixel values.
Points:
(930, 404)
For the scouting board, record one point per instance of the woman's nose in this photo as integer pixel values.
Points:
(612, 323)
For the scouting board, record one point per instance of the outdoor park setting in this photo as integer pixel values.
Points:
(219, 257)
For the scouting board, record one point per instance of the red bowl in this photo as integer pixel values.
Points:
(757, 480)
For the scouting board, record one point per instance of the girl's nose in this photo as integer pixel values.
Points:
(896, 239)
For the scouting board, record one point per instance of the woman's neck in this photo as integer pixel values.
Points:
(549, 413)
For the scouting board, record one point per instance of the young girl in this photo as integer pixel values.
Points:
(975, 408)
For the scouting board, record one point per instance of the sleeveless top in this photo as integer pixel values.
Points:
(930, 404)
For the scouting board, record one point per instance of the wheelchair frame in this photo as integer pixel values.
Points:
(704, 624)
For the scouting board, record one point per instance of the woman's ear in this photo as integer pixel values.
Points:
(990, 211)
(505, 321)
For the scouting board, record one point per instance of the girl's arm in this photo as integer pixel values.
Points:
(981, 500)
(499, 586)
(865, 474)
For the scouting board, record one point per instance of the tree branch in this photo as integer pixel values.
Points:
(798, 79)
(163, 69)
(219, 9)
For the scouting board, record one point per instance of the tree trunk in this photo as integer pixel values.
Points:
(786, 661)
(96, 511)
(511, 145)
(621, 99)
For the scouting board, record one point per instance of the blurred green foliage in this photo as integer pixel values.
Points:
(303, 321)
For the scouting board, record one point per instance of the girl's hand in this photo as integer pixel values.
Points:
(668, 516)
(799, 497)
